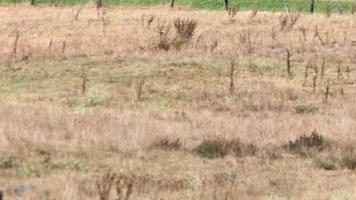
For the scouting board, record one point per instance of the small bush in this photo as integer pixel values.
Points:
(304, 109)
(304, 145)
(167, 144)
(185, 29)
(219, 148)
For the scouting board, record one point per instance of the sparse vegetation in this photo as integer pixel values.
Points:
(121, 103)
(305, 145)
(167, 144)
(219, 148)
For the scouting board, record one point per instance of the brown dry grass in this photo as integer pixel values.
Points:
(62, 141)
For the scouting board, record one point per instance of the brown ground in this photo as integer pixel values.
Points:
(144, 110)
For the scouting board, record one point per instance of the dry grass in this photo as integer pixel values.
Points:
(78, 101)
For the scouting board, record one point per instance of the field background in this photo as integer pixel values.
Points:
(85, 92)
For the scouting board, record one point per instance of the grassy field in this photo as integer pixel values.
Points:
(268, 5)
(176, 104)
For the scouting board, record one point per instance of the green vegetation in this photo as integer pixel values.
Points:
(269, 5)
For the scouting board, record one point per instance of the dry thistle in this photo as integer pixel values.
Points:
(185, 27)
(64, 48)
(306, 73)
(327, 91)
(232, 71)
(322, 72)
(84, 77)
(104, 185)
(288, 60)
(163, 31)
(139, 88)
(315, 77)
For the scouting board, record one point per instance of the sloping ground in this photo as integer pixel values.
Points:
(85, 93)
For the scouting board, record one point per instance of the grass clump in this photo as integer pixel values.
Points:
(342, 157)
(305, 109)
(167, 144)
(307, 144)
(220, 147)
(8, 162)
(327, 163)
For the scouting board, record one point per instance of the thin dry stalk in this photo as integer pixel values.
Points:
(64, 48)
(304, 33)
(273, 33)
(139, 88)
(50, 45)
(317, 35)
(339, 72)
(348, 72)
(232, 71)
(306, 73)
(76, 15)
(13, 54)
(288, 60)
(322, 71)
(15, 46)
(315, 77)
(163, 31)
(84, 77)
(327, 92)
(104, 21)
